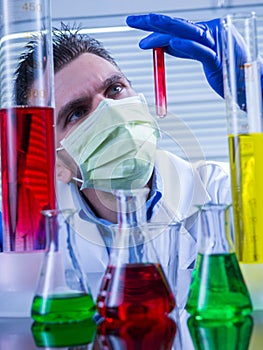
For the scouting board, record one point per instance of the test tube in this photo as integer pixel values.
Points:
(159, 82)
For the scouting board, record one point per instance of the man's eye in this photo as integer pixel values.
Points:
(114, 90)
(76, 115)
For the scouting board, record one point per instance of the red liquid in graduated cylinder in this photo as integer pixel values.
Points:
(133, 292)
(28, 163)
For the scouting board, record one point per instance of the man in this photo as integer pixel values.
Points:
(87, 78)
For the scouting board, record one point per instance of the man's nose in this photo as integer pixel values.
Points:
(97, 100)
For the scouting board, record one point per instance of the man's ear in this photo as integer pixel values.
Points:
(63, 173)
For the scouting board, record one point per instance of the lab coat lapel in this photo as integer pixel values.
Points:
(182, 187)
(91, 247)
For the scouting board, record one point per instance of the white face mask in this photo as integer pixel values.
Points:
(115, 146)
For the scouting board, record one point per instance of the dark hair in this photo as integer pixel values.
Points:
(68, 44)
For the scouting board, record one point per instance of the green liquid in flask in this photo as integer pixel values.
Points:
(218, 290)
(63, 308)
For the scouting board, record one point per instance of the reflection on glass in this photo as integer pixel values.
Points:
(64, 335)
(158, 334)
(221, 335)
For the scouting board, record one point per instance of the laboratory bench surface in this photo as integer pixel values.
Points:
(16, 333)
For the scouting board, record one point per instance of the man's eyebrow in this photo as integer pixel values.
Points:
(71, 105)
(114, 79)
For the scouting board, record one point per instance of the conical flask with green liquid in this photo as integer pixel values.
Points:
(62, 294)
(217, 290)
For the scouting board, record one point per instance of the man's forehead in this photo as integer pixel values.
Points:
(87, 72)
(86, 64)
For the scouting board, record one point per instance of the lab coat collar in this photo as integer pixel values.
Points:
(179, 183)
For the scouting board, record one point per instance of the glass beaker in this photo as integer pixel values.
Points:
(221, 335)
(26, 121)
(62, 294)
(134, 286)
(243, 94)
(217, 290)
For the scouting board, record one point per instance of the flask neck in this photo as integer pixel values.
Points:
(216, 229)
(51, 229)
(55, 238)
(131, 207)
(129, 235)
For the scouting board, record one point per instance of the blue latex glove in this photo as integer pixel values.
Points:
(200, 41)
(181, 38)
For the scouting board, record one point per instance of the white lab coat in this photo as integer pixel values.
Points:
(183, 185)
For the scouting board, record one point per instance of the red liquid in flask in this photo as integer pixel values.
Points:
(28, 174)
(133, 292)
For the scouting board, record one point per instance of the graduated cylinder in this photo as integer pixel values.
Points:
(243, 94)
(26, 122)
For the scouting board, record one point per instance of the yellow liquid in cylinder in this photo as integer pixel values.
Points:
(246, 152)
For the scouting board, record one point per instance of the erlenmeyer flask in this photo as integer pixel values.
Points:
(221, 335)
(63, 294)
(217, 290)
(134, 286)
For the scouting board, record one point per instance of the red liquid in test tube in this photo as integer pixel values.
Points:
(159, 82)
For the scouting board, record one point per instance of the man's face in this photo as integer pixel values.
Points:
(81, 85)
